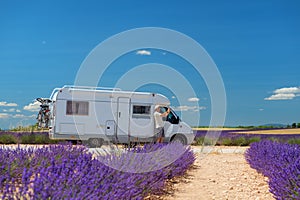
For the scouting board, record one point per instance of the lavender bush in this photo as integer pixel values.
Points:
(280, 163)
(231, 138)
(71, 172)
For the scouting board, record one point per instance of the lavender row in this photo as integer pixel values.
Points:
(71, 172)
(280, 163)
(231, 137)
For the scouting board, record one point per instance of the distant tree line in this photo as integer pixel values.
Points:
(30, 128)
(294, 125)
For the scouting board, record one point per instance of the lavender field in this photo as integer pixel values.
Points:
(225, 137)
(64, 171)
(244, 138)
(281, 164)
(71, 172)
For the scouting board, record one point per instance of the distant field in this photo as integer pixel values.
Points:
(222, 129)
(246, 131)
(274, 131)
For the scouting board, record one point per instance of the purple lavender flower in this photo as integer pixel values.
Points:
(280, 163)
(71, 172)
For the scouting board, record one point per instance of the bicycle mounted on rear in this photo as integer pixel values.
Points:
(44, 114)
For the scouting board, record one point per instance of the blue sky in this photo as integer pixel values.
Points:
(255, 45)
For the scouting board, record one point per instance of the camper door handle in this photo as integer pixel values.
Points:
(119, 114)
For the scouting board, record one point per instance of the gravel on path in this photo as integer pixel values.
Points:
(221, 174)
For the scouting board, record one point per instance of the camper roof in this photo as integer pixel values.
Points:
(77, 91)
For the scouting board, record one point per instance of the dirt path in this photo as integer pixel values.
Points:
(222, 174)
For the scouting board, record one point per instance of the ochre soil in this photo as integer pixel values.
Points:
(220, 175)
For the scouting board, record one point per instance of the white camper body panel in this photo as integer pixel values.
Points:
(82, 113)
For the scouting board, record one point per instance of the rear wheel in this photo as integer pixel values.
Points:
(95, 142)
(179, 138)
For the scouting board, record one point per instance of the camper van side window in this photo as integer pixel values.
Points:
(77, 108)
(141, 111)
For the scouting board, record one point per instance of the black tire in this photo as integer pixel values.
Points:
(73, 142)
(179, 138)
(95, 142)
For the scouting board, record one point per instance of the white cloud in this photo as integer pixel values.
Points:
(4, 115)
(9, 110)
(12, 110)
(32, 116)
(281, 97)
(202, 108)
(261, 109)
(286, 93)
(23, 116)
(18, 116)
(185, 108)
(143, 52)
(173, 97)
(193, 99)
(189, 108)
(4, 103)
(290, 90)
(33, 107)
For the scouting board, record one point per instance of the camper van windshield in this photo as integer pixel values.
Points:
(172, 117)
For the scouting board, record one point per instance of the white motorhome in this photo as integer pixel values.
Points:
(100, 115)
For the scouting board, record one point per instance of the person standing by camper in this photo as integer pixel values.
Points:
(159, 124)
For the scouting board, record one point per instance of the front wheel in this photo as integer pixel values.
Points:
(179, 138)
(95, 142)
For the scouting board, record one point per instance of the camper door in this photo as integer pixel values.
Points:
(123, 116)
